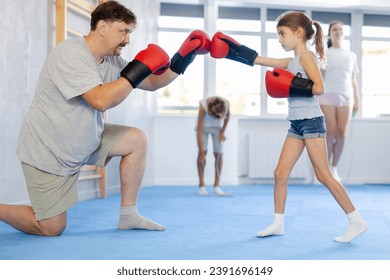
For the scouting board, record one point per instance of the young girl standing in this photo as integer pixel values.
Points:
(307, 129)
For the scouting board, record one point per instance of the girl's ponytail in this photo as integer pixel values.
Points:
(319, 41)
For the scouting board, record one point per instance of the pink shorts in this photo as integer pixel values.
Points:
(335, 100)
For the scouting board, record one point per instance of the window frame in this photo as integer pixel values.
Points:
(352, 17)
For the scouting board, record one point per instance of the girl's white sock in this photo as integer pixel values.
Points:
(276, 228)
(356, 227)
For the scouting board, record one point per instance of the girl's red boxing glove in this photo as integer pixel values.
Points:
(281, 83)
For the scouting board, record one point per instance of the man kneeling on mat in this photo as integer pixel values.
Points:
(64, 128)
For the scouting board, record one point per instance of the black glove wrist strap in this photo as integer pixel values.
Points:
(243, 54)
(135, 72)
(179, 63)
(301, 87)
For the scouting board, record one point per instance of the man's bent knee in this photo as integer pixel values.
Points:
(136, 134)
(53, 226)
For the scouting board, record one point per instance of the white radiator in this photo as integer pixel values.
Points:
(263, 154)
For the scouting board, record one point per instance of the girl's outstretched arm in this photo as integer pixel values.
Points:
(272, 62)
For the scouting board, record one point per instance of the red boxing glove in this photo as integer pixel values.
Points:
(281, 83)
(152, 60)
(223, 46)
(196, 43)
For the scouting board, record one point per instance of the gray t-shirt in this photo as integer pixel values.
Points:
(60, 130)
(300, 108)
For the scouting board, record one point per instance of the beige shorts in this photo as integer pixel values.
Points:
(50, 194)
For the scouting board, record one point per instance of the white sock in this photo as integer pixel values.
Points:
(356, 227)
(130, 219)
(218, 191)
(202, 191)
(276, 228)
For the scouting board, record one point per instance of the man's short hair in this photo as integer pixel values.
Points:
(112, 11)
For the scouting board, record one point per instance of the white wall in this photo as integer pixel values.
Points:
(367, 153)
(175, 152)
(23, 47)
(366, 158)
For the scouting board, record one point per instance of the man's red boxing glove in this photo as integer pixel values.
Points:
(196, 43)
(281, 83)
(223, 46)
(152, 60)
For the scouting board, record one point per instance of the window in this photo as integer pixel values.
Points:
(237, 82)
(238, 19)
(375, 89)
(183, 95)
(240, 83)
(376, 94)
(375, 57)
(272, 16)
(255, 27)
(376, 26)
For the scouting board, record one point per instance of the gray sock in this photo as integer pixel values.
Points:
(130, 219)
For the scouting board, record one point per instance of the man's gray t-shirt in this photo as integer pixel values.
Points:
(60, 130)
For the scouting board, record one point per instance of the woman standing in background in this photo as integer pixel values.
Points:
(342, 94)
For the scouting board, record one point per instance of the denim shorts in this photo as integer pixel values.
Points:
(307, 128)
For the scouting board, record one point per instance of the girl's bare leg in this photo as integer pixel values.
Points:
(291, 151)
(318, 156)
